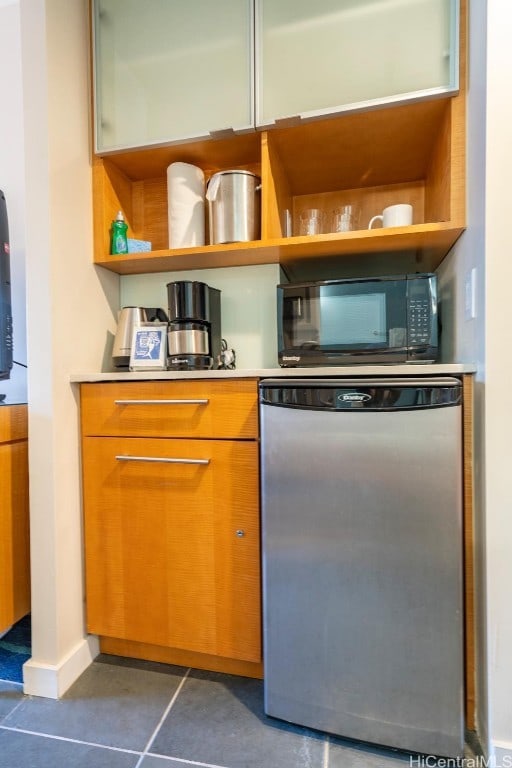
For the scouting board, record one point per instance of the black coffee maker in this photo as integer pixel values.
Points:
(194, 334)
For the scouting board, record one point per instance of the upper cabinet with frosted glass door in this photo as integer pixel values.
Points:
(328, 56)
(171, 70)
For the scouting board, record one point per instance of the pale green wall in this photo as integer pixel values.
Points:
(248, 306)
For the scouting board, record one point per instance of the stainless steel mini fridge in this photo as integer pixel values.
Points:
(363, 558)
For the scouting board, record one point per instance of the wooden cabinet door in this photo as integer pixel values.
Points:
(172, 548)
(14, 534)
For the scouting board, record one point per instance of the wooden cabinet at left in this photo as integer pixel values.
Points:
(171, 506)
(14, 516)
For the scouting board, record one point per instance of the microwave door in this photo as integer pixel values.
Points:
(398, 338)
(357, 319)
(301, 322)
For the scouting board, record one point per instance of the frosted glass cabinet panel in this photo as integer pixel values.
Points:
(167, 70)
(327, 56)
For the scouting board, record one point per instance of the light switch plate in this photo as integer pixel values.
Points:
(470, 295)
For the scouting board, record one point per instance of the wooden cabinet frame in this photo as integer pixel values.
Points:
(412, 152)
(171, 521)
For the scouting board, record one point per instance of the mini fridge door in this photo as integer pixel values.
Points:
(362, 559)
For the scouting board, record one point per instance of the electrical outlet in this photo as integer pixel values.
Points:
(470, 295)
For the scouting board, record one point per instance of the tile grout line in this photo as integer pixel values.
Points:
(43, 735)
(13, 710)
(161, 721)
(325, 762)
(185, 762)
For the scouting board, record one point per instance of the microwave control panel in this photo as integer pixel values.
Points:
(420, 320)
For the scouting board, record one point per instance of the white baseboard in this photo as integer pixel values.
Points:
(52, 681)
(502, 754)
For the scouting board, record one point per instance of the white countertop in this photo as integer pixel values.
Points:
(434, 369)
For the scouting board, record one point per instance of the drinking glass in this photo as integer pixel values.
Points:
(344, 219)
(311, 222)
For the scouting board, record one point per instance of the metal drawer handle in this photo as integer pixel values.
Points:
(161, 402)
(162, 459)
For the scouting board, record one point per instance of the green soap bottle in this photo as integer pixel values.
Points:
(118, 238)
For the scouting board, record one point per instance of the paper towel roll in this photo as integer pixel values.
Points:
(185, 203)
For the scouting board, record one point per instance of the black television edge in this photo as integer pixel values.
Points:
(6, 341)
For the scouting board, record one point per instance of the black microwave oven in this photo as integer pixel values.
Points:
(358, 320)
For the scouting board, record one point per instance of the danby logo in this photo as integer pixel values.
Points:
(354, 397)
(291, 358)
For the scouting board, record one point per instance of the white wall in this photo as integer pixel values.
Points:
(12, 183)
(463, 337)
(70, 308)
(486, 245)
(498, 365)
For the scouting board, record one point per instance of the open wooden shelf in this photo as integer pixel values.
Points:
(422, 245)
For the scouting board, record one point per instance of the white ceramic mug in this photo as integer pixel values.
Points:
(394, 216)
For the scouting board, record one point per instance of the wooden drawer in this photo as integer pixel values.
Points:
(209, 408)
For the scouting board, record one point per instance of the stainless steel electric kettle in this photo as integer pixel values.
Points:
(130, 318)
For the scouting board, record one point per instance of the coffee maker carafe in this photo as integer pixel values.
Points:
(194, 335)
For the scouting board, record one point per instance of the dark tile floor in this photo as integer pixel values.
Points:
(128, 714)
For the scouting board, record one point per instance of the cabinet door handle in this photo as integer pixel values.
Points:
(161, 402)
(162, 459)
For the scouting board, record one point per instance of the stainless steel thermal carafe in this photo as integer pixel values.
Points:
(233, 206)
